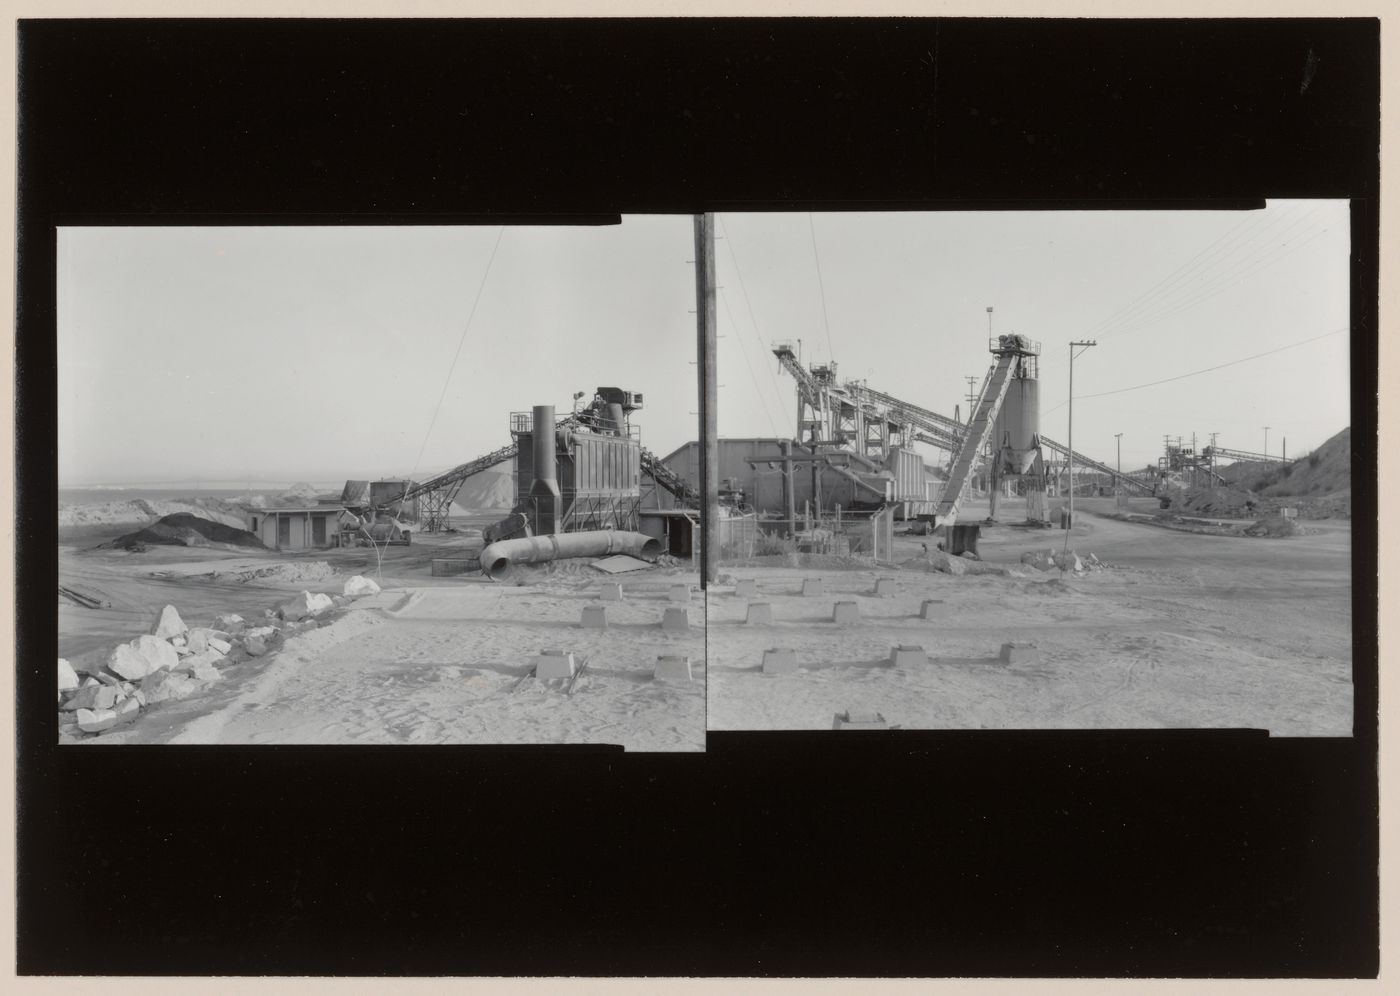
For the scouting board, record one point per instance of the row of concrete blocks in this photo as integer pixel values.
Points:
(781, 660)
(674, 620)
(761, 613)
(811, 587)
(611, 591)
(555, 664)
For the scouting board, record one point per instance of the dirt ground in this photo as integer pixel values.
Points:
(429, 660)
(1182, 630)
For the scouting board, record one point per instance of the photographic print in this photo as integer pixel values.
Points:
(378, 485)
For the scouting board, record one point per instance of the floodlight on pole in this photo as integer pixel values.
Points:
(1082, 344)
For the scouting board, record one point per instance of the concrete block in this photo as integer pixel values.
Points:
(554, 664)
(1019, 653)
(610, 591)
(852, 720)
(933, 608)
(885, 587)
(676, 620)
(679, 593)
(907, 656)
(779, 660)
(746, 588)
(759, 613)
(845, 612)
(813, 588)
(594, 617)
(672, 668)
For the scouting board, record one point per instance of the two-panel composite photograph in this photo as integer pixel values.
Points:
(507, 545)
(630, 498)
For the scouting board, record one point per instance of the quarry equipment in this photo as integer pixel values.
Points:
(498, 557)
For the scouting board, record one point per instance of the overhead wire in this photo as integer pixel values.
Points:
(754, 377)
(1195, 373)
(748, 305)
(821, 287)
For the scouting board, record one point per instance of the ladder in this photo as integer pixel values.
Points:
(979, 428)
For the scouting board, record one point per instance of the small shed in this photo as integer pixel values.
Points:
(305, 528)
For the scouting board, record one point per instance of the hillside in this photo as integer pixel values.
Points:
(1324, 471)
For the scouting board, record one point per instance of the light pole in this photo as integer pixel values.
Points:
(1083, 344)
(1266, 442)
(1117, 481)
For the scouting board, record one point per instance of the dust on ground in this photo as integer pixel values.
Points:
(1181, 630)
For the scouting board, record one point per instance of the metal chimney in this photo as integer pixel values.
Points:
(544, 492)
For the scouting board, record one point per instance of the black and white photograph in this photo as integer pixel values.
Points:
(778, 496)
(932, 532)
(378, 486)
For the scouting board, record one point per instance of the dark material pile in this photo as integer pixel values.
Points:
(184, 529)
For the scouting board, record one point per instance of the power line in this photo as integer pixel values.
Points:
(761, 397)
(448, 379)
(1194, 373)
(748, 304)
(821, 288)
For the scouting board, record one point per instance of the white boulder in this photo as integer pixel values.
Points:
(205, 671)
(67, 677)
(256, 646)
(95, 721)
(197, 641)
(128, 710)
(228, 623)
(305, 604)
(206, 659)
(163, 685)
(219, 646)
(92, 697)
(142, 656)
(359, 586)
(169, 625)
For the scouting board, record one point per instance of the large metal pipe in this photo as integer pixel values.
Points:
(542, 448)
(617, 418)
(496, 559)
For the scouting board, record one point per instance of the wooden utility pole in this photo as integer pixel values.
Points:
(709, 426)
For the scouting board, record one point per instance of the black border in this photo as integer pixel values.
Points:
(1065, 854)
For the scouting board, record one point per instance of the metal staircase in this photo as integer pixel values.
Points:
(979, 429)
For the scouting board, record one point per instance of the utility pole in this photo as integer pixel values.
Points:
(1084, 344)
(1117, 481)
(709, 426)
(1266, 443)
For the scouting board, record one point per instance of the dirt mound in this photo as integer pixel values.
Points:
(1275, 526)
(1324, 471)
(493, 488)
(186, 529)
(1227, 502)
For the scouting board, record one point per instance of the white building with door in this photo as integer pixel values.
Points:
(309, 528)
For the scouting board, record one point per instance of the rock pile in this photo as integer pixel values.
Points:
(175, 661)
(1062, 560)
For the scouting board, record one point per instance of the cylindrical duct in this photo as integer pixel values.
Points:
(542, 442)
(496, 559)
(616, 417)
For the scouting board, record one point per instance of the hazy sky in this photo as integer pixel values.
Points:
(1165, 293)
(230, 354)
(320, 353)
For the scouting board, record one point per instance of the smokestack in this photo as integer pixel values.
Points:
(616, 417)
(544, 492)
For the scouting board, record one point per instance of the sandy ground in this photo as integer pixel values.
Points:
(429, 660)
(1183, 630)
